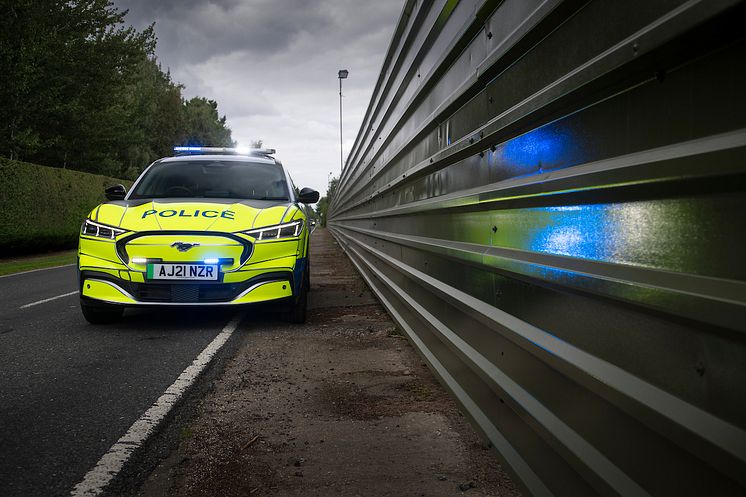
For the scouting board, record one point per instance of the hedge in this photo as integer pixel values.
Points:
(42, 208)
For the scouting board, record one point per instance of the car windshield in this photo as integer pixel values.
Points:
(213, 179)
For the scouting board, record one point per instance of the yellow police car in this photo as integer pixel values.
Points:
(210, 226)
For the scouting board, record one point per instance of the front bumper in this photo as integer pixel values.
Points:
(271, 272)
(108, 290)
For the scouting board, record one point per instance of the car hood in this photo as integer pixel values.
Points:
(194, 215)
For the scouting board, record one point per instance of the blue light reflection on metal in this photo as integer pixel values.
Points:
(576, 231)
(645, 233)
(539, 150)
(603, 232)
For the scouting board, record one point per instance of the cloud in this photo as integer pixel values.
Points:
(197, 30)
(272, 67)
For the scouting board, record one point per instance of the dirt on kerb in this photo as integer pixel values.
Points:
(339, 406)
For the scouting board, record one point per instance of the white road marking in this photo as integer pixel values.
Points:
(112, 462)
(48, 300)
(35, 270)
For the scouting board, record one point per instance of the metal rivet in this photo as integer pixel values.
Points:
(494, 229)
(284, 287)
(88, 285)
(489, 35)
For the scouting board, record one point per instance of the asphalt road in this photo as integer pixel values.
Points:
(69, 390)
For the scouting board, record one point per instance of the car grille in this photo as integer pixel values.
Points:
(186, 293)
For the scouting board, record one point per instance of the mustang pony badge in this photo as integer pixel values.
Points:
(183, 247)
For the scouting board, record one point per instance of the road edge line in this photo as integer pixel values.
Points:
(35, 270)
(111, 463)
(43, 301)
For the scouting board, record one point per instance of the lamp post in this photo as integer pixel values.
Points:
(341, 75)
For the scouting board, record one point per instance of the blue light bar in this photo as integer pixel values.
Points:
(227, 150)
(211, 260)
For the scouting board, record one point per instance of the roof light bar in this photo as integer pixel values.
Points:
(225, 150)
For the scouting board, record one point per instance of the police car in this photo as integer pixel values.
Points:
(210, 226)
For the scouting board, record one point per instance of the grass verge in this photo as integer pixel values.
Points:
(10, 266)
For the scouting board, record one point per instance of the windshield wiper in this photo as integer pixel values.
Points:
(268, 198)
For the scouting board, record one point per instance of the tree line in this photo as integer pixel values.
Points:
(322, 206)
(82, 90)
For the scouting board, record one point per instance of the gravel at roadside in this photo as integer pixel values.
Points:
(339, 406)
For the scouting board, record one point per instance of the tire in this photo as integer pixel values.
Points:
(297, 311)
(100, 313)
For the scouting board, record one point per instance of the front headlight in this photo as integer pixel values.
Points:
(99, 230)
(286, 230)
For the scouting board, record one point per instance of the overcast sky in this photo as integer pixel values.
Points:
(272, 67)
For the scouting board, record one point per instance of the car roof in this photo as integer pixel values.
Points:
(257, 159)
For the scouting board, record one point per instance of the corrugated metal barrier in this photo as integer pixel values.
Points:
(549, 197)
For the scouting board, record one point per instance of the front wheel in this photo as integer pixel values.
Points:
(297, 312)
(101, 313)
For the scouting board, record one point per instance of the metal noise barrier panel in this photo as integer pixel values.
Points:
(549, 197)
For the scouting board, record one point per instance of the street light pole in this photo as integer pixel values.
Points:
(342, 75)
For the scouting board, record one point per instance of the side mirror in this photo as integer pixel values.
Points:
(308, 196)
(116, 192)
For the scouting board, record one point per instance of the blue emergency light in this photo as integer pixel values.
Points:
(224, 150)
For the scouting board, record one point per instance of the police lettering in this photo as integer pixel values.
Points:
(185, 213)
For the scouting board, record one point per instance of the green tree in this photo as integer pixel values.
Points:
(156, 115)
(322, 206)
(83, 91)
(203, 124)
(66, 64)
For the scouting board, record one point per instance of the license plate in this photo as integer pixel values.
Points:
(198, 272)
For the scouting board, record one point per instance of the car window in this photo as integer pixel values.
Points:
(213, 179)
